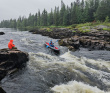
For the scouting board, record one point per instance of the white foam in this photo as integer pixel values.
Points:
(73, 63)
(76, 87)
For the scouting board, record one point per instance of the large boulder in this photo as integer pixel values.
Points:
(91, 42)
(1, 33)
(103, 35)
(107, 46)
(1, 90)
(11, 61)
(72, 43)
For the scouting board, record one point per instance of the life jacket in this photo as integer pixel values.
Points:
(50, 43)
(10, 44)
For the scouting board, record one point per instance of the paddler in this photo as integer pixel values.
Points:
(51, 43)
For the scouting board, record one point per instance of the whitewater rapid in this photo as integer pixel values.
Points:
(88, 73)
(81, 71)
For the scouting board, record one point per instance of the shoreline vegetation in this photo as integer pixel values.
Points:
(94, 36)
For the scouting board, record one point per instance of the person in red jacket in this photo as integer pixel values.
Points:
(11, 45)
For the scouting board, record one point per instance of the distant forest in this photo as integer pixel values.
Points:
(78, 12)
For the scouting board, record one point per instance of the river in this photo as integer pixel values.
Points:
(81, 71)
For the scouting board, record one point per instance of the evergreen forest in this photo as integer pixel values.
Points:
(78, 12)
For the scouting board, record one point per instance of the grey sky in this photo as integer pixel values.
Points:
(15, 8)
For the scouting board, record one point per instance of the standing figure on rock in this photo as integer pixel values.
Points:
(11, 45)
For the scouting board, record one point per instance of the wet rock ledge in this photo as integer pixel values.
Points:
(1, 90)
(11, 61)
(95, 39)
(1, 33)
(56, 33)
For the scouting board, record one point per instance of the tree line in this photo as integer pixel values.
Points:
(77, 12)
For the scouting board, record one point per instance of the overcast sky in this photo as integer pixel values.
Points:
(15, 8)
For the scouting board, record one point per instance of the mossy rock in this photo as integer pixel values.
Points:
(62, 43)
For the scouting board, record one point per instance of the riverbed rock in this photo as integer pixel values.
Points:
(107, 46)
(91, 42)
(103, 35)
(57, 33)
(11, 60)
(72, 43)
(1, 90)
(1, 33)
(98, 40)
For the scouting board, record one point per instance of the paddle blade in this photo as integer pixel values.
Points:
(47, 46)
(57, 41)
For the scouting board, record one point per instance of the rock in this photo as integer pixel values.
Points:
(75, 41)
(91, 42)
(107, 46)
(11, 60)
(94, 39)
(1, 33)
(71, 48)
(32, 31)
(3, 73)
(63, 42)
(100, 29)
(12, 71)
(1, 90)
(94, 43)
(72, 43)
(57, 33)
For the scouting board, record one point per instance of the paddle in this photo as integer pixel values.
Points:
(56, 41)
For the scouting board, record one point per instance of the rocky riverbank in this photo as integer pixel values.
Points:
(1, 90)
(11, 61)
(56, 33)
(94, 39)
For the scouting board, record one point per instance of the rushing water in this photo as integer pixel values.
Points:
(81, 71)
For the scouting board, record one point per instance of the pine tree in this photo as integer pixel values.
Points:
(86, 13)
(50, 18)
(44, 18)
(103, 10)
(62, 11)
(74, 14)
(39, 19)
(56, 16)
(35, 19)
(19, 23)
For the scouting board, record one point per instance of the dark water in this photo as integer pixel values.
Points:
(47, 72)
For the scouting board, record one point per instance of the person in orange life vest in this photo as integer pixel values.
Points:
(11, 45)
